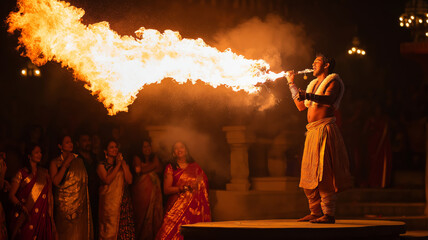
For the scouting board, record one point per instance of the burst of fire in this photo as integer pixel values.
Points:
(116, 67)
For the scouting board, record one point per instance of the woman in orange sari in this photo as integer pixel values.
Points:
(147, 193)
(187, 186)
(31, 194)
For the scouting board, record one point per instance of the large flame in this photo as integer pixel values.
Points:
(116, 67)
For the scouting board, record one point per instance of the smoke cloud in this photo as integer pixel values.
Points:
(199, 112)
(282, 44)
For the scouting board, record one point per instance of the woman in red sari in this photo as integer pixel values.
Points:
(3, 187)
(31, 194)
(187, 186)
(147, 193)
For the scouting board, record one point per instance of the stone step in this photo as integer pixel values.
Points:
(409, 179)
(382, 195)
(376, 209)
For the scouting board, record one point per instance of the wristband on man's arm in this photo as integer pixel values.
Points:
(294, 91)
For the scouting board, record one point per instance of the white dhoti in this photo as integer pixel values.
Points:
(325, 166)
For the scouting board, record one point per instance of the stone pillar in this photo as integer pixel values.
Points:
(277, 168)
(157, 134)
(238, 139)
(277, 161)
(160, 141)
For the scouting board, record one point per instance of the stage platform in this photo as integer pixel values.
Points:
(290, 229)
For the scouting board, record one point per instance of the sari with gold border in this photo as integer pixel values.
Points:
(3, 228)
(115, 208)
(147, 200)
(35, 193)
(186, 207)
(73, 216)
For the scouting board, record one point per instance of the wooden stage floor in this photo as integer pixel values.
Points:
(290, 229)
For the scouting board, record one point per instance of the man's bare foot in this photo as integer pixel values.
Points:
(308, 218)
(324, 219)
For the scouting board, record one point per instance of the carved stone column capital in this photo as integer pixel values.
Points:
(238, 139)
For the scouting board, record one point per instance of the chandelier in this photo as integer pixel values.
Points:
(355, 49)
(415, 18)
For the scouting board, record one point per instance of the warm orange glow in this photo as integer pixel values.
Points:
(24, 72)
(116, 67)
(349, 51)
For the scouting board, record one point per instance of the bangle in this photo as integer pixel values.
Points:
(294, 91)
(296, 96)
(289, 83)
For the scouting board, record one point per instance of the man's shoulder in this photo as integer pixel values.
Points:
(333, 80)
(333, 77)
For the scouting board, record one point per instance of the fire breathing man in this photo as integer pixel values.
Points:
(325, 164)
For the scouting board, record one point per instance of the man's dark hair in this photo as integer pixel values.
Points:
(329, 60)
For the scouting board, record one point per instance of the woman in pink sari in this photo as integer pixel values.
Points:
(31, 194)
(147, 193)
(187, 186)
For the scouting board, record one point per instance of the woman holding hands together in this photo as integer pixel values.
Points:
(115, 208)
